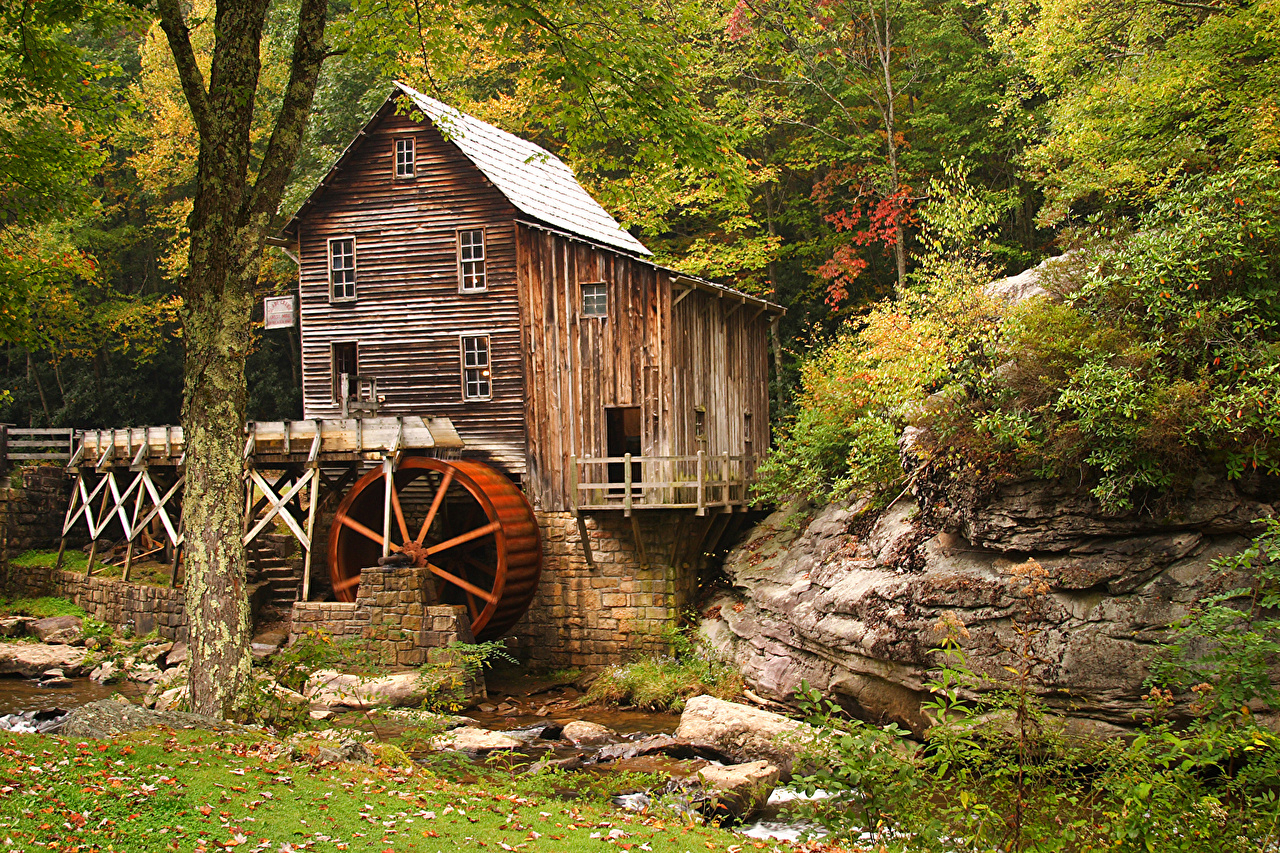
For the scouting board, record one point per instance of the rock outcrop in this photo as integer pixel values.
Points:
(855, 603)
(34, 659)
(742, 732)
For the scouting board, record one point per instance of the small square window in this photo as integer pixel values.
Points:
(471, 277)
(595, 300)
(475, 368)
(404, 158)
(342, 269)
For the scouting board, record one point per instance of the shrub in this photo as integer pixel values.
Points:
(665, 682)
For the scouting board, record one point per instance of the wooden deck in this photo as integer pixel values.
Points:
(271, 442)
(628, 483)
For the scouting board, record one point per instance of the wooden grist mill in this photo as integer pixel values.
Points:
(501, 390)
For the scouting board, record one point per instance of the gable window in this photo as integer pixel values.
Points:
(346, 359)
(405, 164)
(595, 300)
(475, 368)
(471, 277)
(342, 269)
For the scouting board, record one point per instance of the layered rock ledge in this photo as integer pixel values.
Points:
(854, 602)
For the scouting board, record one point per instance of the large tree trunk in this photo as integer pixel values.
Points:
(229, 224)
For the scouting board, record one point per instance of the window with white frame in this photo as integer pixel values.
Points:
(404, 158)
(342, 269)
(476, 383)
(471, 277)
(595, 300)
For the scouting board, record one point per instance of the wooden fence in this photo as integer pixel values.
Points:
(699, 482)
(21, 444)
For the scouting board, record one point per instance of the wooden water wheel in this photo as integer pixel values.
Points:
(466, 523)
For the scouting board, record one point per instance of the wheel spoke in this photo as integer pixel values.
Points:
(476, 564)
(462, 584)
(435, 505)
(395, 505)
(347, 584)
(471, 605)
(364, 531)
(465, 537)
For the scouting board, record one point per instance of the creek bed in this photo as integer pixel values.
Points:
(19, 694)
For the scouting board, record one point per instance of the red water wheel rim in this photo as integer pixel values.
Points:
(496, 586)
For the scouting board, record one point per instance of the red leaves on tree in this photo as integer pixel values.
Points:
(879, 224)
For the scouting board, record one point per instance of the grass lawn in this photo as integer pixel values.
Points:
(191, 791)
(144, 571)
(40, 608)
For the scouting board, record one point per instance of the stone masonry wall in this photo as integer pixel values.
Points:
(146, 608)
(32, 508)
(394, 617)
(593, 616)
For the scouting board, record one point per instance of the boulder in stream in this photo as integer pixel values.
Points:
(743, 732)
(581, 732)
(474, 740)
(740, 789)
(33, 659)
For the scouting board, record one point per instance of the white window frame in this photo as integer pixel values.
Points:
(355, 266)
(413, 158)
(483, 260)
(582, 292)
(487, 367)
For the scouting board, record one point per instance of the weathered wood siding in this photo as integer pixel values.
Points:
(708, 351)
(408, 314)
(720, 359)
(577, 366)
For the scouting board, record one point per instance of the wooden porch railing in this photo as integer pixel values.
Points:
(20, 444)
(699, 482)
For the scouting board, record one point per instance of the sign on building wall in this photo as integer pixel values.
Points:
(278, 311)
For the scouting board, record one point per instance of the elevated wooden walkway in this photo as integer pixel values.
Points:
(130, 480)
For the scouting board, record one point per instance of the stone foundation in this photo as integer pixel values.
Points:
(617, 607)
(32, 506)
(145, 608)
(394, 617)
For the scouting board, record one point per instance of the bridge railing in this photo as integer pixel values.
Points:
(700, 482)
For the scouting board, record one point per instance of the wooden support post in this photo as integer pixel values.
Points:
(102, 516)
(177, 545)
(626, 485)
(639, 540)
(724, 476)
(388, 474)
(702, 482)
(586, 540)
(311, 531)
(62, 550)
(573, 490)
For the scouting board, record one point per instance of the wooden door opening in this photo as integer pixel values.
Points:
(622, 436)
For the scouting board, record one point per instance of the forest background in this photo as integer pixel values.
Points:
(865, 165)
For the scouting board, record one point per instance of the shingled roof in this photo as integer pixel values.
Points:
(534, 180)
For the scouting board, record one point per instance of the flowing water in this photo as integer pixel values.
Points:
(22, 694)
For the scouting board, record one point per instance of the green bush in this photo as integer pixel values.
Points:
(1159, 358)
(665, 682)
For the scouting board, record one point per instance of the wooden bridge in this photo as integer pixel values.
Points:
(133, 477)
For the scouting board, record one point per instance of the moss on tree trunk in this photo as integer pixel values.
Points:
(231, 218)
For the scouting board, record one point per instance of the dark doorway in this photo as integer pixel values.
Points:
(622, 436)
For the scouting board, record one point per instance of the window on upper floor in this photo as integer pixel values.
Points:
(405, 164)
(342, 269)
(595, 300)
(471, 272)
(476, 384)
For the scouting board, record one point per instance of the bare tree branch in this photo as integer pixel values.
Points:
(184, 57)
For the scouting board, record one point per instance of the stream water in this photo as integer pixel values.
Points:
(515, 706)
